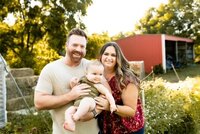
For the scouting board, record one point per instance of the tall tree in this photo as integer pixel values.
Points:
(95, 42)
(178, 17)
(122, 35)
(49, 20)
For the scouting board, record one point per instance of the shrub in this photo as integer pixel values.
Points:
(194, 107)
(170, 111)
(28, 124)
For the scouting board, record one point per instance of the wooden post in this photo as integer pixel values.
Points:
(175, 72)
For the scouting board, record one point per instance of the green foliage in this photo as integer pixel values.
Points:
(197, 51)
(195, 104)
(43, 55)
(174, 18)
(122, 35)
(170, 111)
(183, 73)
(95, 42)
(28, 124)
(49, 21)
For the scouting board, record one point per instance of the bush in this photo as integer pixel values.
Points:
(28, 124)
(193, 110)
(170, 111)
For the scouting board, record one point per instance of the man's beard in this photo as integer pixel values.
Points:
(75, 56)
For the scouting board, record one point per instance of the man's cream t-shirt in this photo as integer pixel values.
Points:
(54, 79)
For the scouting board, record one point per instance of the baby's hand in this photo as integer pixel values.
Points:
(74, 81)
(113, 108)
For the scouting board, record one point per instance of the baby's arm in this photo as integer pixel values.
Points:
(73, 82)
(103, 90)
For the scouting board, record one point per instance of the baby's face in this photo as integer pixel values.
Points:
(95, 74)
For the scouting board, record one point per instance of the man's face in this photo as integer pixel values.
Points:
(76, 48)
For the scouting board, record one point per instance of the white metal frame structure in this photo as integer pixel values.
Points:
(3, 112)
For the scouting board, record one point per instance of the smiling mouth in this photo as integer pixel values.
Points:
(109, 62)
(77, 55)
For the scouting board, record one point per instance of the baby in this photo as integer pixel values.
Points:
(85, 104)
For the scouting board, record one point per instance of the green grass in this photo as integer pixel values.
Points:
(189, 71)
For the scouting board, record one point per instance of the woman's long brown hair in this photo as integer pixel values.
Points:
(123, 70)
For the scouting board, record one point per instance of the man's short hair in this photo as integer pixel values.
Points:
(77, 31)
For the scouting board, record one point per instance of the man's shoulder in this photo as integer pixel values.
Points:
(55, 62)
(52, 65)
(85, 61)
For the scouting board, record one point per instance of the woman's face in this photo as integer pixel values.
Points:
(109, 57)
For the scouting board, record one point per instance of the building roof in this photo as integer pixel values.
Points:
(167, 37)
(176, 38)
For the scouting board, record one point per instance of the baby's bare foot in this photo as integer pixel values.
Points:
(69, 126)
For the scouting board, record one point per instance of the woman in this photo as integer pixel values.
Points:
(128, 118)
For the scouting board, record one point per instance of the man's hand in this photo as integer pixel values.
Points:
(79, 90)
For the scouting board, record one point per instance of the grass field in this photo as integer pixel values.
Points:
(182, 73)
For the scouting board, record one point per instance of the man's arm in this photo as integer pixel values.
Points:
(47, 101)
(129, 98)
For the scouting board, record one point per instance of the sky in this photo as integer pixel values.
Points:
(112, 16)
(115, 16)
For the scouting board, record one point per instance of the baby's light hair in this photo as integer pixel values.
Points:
(94, 63)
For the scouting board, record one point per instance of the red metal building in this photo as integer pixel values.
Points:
(155, 49)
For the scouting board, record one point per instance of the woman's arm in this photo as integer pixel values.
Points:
(129, 98)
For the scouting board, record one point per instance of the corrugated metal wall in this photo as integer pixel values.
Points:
(147, 48)
(3, 115)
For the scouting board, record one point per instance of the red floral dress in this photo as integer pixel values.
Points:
(115, 124)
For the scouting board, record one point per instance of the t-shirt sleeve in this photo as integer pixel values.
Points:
(44, 83)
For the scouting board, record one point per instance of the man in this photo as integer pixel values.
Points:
(53, 91)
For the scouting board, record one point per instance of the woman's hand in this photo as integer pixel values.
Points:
(102, 103)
